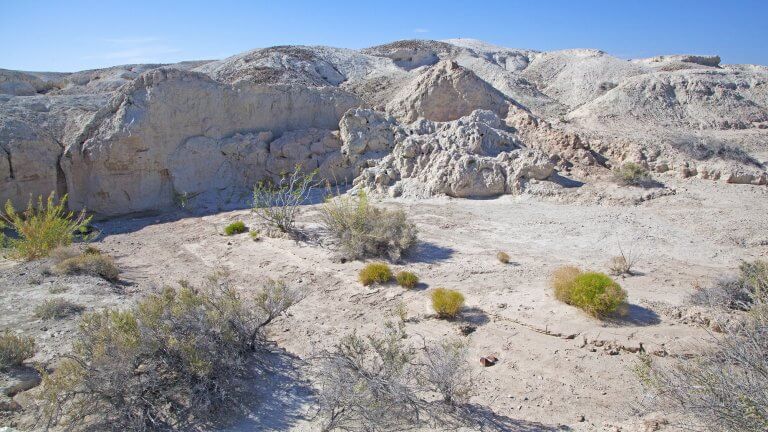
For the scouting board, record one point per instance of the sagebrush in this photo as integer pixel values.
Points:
(15, 349)
(736, 292)
(177, 360)
(42, 227)
(57, 308)
(91, 264)
(632, 174)
(362, 230)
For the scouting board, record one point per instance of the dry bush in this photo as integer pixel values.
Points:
(447, 303)
(632, 174)
(407, 279)
(15, 349)
(593, 292)
(237, 227)
(503, 257)
(379, 384)
(57, 308)
(177, 360)
(562, 280)
(91, 264)
(725, 386)
(42, 227)
(623, 263)
(363, 230)
(739, 292)
(375, 273)
(278, 203)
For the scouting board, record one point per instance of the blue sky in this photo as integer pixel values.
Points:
(74, 35)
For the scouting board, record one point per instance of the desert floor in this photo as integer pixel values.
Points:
(557, 366)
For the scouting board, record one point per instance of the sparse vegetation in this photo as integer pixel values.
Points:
(407, 279)
(237, 227)
(375, 273)
(42, 227)
(377, 384)
(595, 293)
(739, 292)
(255, 235)
(363, 230)
(503, 257)
(178, 358)
(15, 349)
(632, 174)
(57, 308)
(277, 204)
(724, 387)
(447, 303)
(92, 264)
(622, 264)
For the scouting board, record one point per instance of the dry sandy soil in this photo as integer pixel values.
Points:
(557, 369)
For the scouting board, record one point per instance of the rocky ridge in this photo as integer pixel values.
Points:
(457, 117)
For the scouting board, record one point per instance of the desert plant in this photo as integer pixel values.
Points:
(503, 257)
(363, 230)
(278, 203)
(375, 273)
(15, 349)
(632, 174)
(378, 383)
(562, 281)
(739, 292)
(237, 227)
(407, 279)
(176, 359)
(42, 227)
(724, 386)
(57, 308)
(255, 235)
(595, 293)
(97, 265)
(623, 263)
(447, 303)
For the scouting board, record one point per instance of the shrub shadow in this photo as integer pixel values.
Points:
(426, 252)
(634, 315)
(473, 315)
(485, 419)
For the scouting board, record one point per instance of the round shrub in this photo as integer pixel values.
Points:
(596, 293)
(562, 282)
(375, 273)
(447, 303)
(236, 227)
(407, 279)
(503, 257)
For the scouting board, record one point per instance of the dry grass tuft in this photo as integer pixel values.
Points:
(15, 349)
(57, 309)
(407, 279)
(375, 273)
(98, 265)
(503, 257)
(447, 303)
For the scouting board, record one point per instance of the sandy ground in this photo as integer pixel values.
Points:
(558, 368)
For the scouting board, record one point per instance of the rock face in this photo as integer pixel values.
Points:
(473, 156)
(458, 117)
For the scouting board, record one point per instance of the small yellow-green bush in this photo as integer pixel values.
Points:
(595, 293)
(375, 273)
(447, 303)
(503, 257)
(98, 265)
(15, 349)
(632, 174)
(407, 279)
(255, 235)
(562, 280)
(237, 227)
(41, 227)
(57, 308)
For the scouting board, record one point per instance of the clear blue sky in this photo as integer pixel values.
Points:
(73, 35)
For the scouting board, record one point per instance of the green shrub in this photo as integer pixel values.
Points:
(503, 257)
(237, 227)
(375, 273)
(595, 293)
(632, 174)
(363, 230)
(98, 265)
(255, 235)
(739, 292)
(176, 360)
(447, 303)
(57, 308)
(42, 227)
(15, 349)
(407, 279)
(278, 203)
